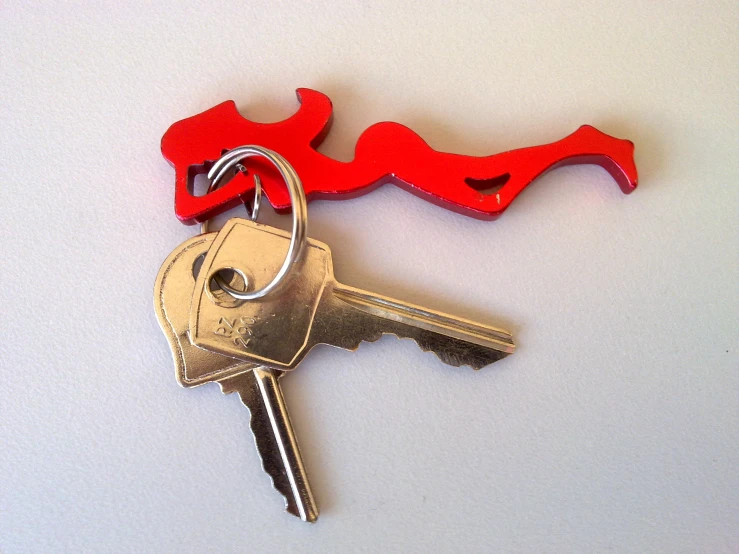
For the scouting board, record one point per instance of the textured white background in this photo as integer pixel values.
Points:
(613, 428)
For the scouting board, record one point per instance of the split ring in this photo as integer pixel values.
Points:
(299, 210)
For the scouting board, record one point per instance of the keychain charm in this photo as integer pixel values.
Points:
(479, 187)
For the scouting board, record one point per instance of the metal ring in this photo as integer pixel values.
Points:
(299, 209)
(255, 206)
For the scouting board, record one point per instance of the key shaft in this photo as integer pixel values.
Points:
(348, 316)
(260, 391)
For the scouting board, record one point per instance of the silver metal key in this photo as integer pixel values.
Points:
(313, 308)
(257, 386)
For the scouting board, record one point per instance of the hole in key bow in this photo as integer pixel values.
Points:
(230, 276)
(235, 278)
(197, 264)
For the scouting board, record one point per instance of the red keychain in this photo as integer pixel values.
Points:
(238, 330)
(385, 152)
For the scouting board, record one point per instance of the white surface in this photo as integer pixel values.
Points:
(614, 426)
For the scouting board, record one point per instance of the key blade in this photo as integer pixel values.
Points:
(348, 316)
(275, 440)
(423, 318)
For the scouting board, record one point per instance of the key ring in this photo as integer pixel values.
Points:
(214, 184)
(297, 199)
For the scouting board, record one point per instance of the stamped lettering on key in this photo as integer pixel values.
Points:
(236, 329)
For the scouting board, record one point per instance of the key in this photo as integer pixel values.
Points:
(312, 308)
(258, 387)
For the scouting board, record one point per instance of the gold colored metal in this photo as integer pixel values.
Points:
(258, 387)
(172, 296)
(260, 391)
(312, 308)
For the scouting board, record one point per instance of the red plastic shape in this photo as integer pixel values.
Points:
(480, 187)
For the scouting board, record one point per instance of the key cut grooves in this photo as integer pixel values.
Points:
(290, 453)
(436, 322)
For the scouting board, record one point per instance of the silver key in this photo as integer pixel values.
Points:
(257, 386)
(313, 308)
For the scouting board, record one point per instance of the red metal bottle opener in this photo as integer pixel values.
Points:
(385, 152)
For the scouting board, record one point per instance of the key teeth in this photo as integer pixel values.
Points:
(485, 358)
(289, 507)
(475, 365)
(230, 385)
(267, 468)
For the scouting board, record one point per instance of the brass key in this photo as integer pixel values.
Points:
(257, 386)
(312, 308)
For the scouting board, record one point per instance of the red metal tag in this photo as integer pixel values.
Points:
(480, 187)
